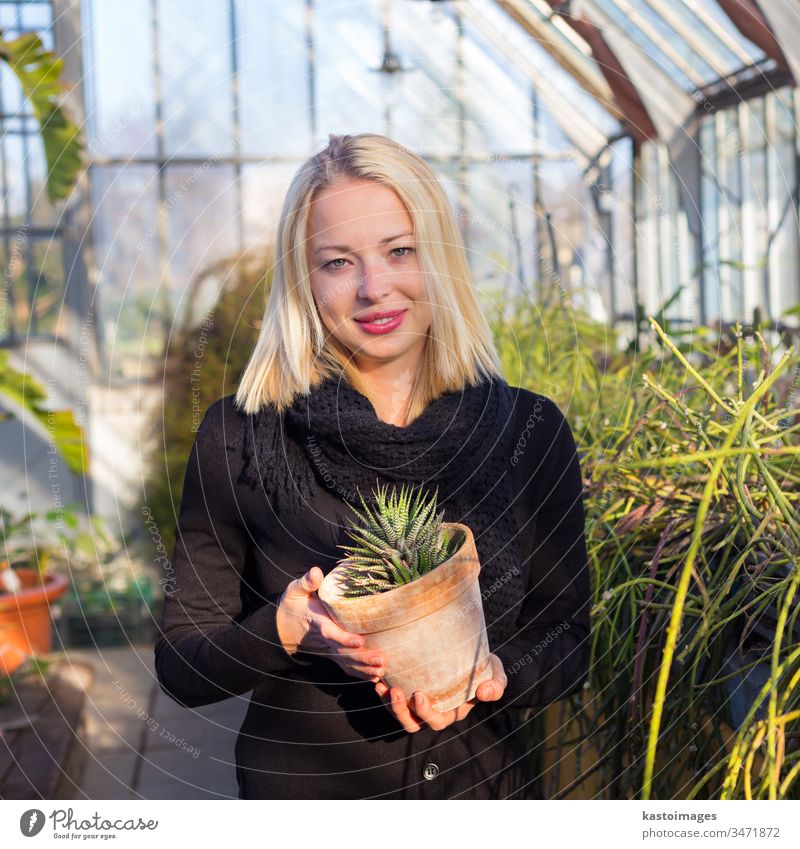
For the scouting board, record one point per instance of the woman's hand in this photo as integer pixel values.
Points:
(304, 624)
(424, 712)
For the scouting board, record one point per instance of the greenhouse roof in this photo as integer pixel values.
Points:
(651, 64)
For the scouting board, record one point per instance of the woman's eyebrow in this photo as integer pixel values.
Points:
(345, 249)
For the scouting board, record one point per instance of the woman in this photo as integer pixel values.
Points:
(373, 363)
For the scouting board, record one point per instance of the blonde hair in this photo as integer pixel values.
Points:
(294, 351)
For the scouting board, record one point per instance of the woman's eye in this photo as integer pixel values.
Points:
(331, 264)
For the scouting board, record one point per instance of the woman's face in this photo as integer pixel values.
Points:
(363, 261)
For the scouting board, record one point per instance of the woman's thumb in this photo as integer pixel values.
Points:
(309, 583)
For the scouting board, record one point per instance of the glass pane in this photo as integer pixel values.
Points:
(650, 27)
(38, 17)
(263, 190)
(11, 91)
(730, 215)
(710, 222)
(9, 16)
(15, 198)
(499, 228)
(782, 178)
(274, 83)
(120, 89)
(654, 36)
(195, 57)
(754, 205)
(453, 179)
(132, 319)
(649, 266)
(722, 31)
(350, 95)
(25, 16)
(618, 198)
(203, 218)
(424, 105)
(501, 124)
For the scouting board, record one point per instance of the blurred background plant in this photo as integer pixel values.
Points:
(64, 539)
(39, 72)
(24, 398)
(691, 491)
(205, 360)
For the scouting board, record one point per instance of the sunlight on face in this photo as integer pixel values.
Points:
(363, 260)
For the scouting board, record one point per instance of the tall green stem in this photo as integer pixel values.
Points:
(686, 572)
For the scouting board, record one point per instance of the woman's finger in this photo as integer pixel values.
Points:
(370, 661)
(427, 712)
(488, 691)
(401, 711)
(364, 672)
(305, 585)
(364, 655)
(329, 630)
(363, 663)
(492, 690)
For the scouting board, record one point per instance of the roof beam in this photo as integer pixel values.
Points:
(632, 111)
(754, 27)
(785, 29)
(581, 132)
(571, 60)
(665, 103)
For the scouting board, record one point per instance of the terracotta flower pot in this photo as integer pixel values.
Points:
(431, 631)
(25, 621)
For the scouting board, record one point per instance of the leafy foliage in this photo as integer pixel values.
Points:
(38, 71)
(224, 338)
(21, 393)
(66, 537)
(689, 456)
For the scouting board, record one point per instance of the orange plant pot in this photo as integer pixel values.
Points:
(25, 619)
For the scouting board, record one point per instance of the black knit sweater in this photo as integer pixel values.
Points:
(311, 731)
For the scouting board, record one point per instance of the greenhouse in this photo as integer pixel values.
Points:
(605, 200)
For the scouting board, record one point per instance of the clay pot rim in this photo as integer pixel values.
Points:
(55, 585)
(400, 596)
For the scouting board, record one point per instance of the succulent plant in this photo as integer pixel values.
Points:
(400, 540)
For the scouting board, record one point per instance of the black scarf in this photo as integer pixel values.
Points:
(462, 442)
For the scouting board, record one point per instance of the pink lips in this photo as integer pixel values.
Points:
(386, 327)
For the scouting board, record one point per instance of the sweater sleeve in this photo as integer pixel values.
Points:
(549, 657)
(209, 647)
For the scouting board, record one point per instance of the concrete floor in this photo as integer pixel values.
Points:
(142, 745)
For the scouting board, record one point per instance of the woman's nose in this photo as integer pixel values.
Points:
(372, 282)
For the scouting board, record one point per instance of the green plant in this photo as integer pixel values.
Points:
(10, 528)
(38, 71)
(65, 536)
(36, 667)
(689, 448)
(23, 397)
(403, 539)
(205, 360)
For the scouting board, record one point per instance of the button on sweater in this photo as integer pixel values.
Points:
(312, 731)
